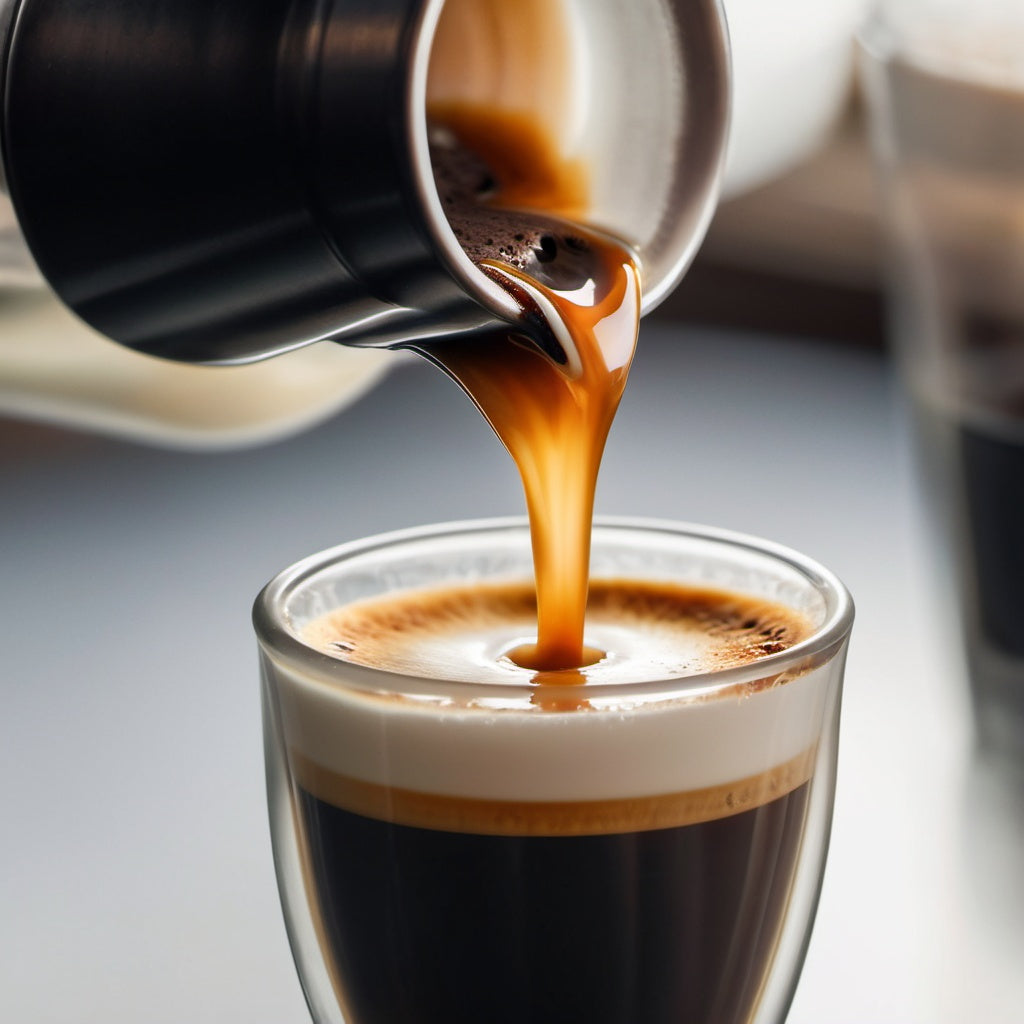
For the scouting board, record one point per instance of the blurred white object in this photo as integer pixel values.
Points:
(792, 74)
(55, 369)
(980, 40)
(16, 266)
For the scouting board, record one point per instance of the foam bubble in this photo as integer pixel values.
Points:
(551, 249)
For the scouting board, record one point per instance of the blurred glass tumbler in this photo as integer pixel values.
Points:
(644, 851)
(945, 85)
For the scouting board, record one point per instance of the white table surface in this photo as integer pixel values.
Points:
(136, 882)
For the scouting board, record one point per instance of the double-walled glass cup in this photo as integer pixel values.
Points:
(945, 89)
(632, 851)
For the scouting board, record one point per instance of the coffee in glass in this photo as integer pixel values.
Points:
(519, 776)
(461, 838)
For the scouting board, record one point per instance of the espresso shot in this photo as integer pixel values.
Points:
(534, 772)
(656, 907)
(461, 838)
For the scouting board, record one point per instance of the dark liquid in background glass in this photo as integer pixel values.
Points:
(974, 476)
(989, 532)
(653, 927)
(993, 475)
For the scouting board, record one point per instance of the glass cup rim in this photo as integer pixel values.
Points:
(276, 637)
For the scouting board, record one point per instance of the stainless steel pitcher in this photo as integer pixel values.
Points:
(216, 181)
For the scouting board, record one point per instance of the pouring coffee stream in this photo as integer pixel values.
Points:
(290, 181)
(550, 385)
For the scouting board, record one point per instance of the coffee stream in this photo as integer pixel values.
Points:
(551, 388)
(658, 902)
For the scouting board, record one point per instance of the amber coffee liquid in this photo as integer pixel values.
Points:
(551, 388)
(553, 418)
(475, 868)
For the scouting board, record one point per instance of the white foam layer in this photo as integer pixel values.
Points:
(610, 749)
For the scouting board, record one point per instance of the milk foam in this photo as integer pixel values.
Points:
(482, 741)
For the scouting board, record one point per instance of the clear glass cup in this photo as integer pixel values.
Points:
(945, 89)
(638, 852)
